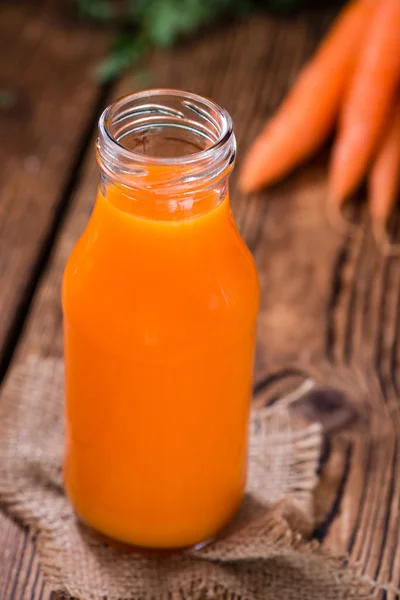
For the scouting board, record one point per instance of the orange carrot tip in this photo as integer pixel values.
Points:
(308, 114)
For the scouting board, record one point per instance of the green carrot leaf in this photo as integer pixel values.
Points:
(97, 10)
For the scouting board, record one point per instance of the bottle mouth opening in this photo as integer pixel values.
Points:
(164, 127)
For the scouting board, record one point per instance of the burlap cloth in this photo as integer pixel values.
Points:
(264, 554)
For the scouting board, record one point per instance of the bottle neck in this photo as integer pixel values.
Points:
(165, 154)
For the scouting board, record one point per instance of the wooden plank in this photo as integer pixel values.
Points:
(49, 99)
(366, 313)
(363, 323)
(25, 579)
(44, 122)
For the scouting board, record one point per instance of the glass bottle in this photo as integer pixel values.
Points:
(160, 297)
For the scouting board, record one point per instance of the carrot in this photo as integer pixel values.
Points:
(308, 114)
(384, 179)
(368, 103)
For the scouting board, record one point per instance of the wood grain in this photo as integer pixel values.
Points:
(366, 313)
(47, 113)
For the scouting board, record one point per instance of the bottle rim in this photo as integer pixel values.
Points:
(195, 102)
(178, 110)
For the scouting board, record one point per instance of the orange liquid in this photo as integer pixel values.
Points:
(160, 311)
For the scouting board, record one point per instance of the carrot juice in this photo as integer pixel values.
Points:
(160, 297)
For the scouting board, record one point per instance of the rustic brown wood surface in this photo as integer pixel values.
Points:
(330, 301)
(49, 104)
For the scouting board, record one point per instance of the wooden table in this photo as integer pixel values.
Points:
(329, 299)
